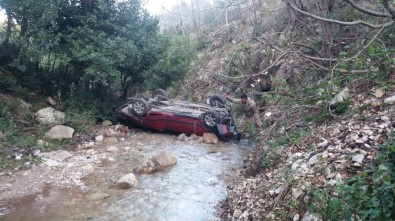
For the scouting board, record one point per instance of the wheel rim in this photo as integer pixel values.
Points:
(138, 107)
(217, 103)
(209, 119)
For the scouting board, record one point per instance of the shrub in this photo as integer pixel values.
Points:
(367, 196)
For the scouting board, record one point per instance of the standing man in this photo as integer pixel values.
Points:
(250, 111)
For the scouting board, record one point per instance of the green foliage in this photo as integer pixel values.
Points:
(85, 109)
(367, 196)
(7, 124)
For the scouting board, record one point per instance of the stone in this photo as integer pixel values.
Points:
(358, 158)
(340, 97)
(99, 138)
(338, 177)
(18, 156)
(60, 132)
(48, 116)
(210, 138)
(194, 137)
(324, 143)
(385, 119)
(297, 192)
(58, 156)
(126, 182)
(112, 149)
(182, 137)
(110, 140)
(106, 123)
(272, 192)
(390, 100)
(2, 136)
(310, 217)
(40, 143)
(52, 101)
(296, 217)
(313, 160)
(279, 189)
(87, 145)
(35, 152)
(237, 213)
(379, 93)
(165, 159)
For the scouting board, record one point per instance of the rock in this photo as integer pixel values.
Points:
(127, 148)
(324, 143)
(127, 181)
(99, 138)
(297, 192)
(35, 152)
(2, 136)
(112, 149)
(194, 137)
(385, 119)
(58, 156)
(106, 123)
(60, 132)
(87, 145)
(272, 192)
(358, 158)
(51, 163)
(379, 93)
(110, 140)
(338, 177)
(340, 97)
(40, 143)
(157, 162)
(88, 169)
(47, 116)
(97, 196)
(313, 160)
(279, 189)
(210, 138)
(296, 217)
(310, 217)
(165, 159)
(182, 137)
(237, 213)
(390, 100)
(18, 156)
(52, 101)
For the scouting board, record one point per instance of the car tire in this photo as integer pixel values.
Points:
(160, 94)
(217, 100)
(210, 120)
(140, 107)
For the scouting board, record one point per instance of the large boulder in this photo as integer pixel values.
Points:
(50, 116)
(210, 138)
(60, 132)
(157, 162)
(126, 182)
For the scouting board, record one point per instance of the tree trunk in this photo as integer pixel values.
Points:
(9, 25)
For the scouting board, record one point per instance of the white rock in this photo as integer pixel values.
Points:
(165, 159)
(340, 97)
(332, 182)
(390, 100)
(313, 160)
(338, 177)
(60, 132)
(111, 159)
(127, 148)
(18, 156)
(385, 118)
(358, 158)
(279, 189)
(272, 192)
(296, 217)
(49, 115)
(357, 165)
(58, 156)
(127, 181)
(36, 152)
(99, 138)
(87, 145)
(297, 192)
(310, 217)
(40, 143)
(237, 213)
(112, 149)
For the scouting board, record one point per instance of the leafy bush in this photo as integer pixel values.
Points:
(368, 196)
(6, 120)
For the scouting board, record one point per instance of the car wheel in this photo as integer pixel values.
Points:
(140, 107)
(210, 120)
(160, 94)
(217, 100)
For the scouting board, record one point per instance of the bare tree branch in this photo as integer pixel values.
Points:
(390, 7)
(358, 22)
(367, 11)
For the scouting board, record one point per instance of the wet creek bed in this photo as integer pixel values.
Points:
(81, 186)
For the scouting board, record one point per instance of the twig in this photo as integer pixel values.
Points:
(367, 11)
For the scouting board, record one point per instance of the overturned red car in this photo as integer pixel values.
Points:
(160, 113)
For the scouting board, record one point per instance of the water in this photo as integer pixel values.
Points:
(188, 190)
